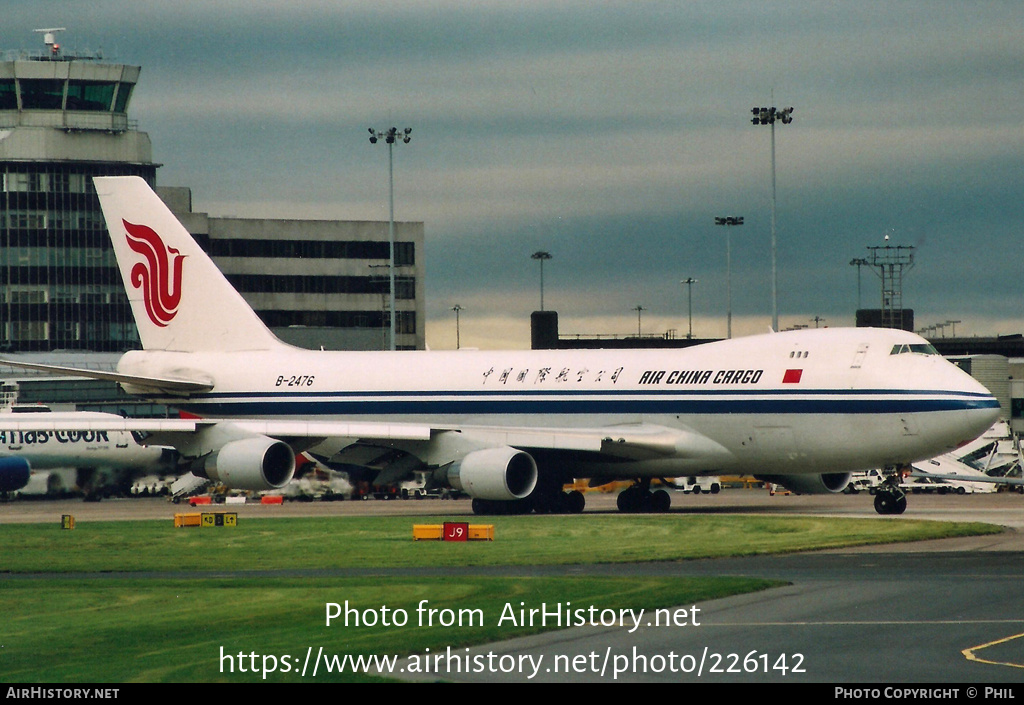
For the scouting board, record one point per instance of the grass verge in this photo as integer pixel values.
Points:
(377, 542)
(133, 630)
(193, 623)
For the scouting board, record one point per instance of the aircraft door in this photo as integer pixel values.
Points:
(858, 357)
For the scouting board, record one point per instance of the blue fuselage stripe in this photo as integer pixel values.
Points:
(476, 403)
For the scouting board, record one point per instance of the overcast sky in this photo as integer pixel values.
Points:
(609, 134)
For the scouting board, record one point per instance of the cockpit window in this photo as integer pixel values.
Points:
(920, 348)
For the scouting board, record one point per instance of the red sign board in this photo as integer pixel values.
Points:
(455, 531)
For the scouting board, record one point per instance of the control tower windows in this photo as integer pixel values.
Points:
(49, 94)
(41, 94)
(124, 91)
(90, 95)
(8, 95)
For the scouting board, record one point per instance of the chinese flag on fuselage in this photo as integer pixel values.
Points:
(792, 376)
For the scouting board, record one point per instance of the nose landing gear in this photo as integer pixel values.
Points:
(890, 497)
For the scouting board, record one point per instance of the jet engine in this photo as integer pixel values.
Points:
(830, 483)
(495, 473)
(258, 463)
(14, 474)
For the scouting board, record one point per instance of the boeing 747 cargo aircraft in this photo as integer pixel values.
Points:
(802, 409)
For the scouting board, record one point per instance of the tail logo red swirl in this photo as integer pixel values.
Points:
(159, 276)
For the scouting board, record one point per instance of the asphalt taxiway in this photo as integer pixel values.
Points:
(936, 612)
(943, 612)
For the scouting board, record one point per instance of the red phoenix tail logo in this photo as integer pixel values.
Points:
(159, 276)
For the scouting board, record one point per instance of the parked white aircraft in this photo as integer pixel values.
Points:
(802, 409)
(42, 447)
(992, 459)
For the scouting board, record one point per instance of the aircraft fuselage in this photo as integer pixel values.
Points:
(812, 401)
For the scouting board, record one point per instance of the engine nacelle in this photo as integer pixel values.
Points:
(258, 463)
(495, 473)
(14, 474)
(830, 483)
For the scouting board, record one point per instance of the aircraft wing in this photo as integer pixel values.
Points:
(149, 384)
(387, 460)
(622, 442)
(272, 428)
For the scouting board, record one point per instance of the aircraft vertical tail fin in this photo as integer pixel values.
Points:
(180, 299)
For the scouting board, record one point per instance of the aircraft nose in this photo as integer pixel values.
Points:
(982, 411)
(981, 408)
(987, 416)
(984, 418)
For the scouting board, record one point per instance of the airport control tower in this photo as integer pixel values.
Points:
(63, 120)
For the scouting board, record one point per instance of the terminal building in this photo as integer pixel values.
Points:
(319, 284)
(65, 119)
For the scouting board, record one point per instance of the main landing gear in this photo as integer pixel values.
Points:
(542, 501)
(639, 498)
(560, 502)
(890, 497)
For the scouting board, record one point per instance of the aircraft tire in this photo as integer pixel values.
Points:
(629, 500)
(549, 500)
(622, 501)
(575, 502)
(659, 502)
(634, 500)
(890, 503)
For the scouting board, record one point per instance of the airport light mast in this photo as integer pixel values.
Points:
(457, 308)
(859, 262)
(689, 281)
(541, 257)
(639, 311)
(390, 136)
(769, 116)
(728, 221)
